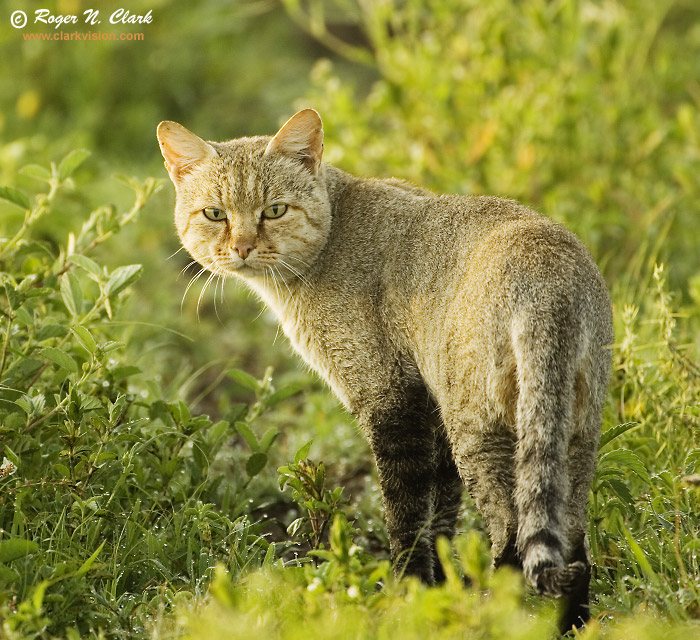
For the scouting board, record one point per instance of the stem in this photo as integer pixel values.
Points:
(32, 382)
(314, 23)
(139, 203)
(32, 215)
(6, 344)
(46, 416)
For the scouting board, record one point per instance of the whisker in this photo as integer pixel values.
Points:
(262, 307)
(306, 264)
(284, 282)
(172, 255)
(186, 267)
(219, 281)
(296, 272)
(277, 333)
(274, 280)
(194, 279)
(212, 275)
(206, 263)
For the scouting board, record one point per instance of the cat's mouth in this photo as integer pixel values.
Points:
(232, 265)
(279, 268)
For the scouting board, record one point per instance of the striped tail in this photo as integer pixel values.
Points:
(546, 356)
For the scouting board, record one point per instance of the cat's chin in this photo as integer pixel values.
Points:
(245, 270)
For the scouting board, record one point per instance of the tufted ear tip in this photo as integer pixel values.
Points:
(301, 138)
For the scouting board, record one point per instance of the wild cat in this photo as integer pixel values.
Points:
(469, 335)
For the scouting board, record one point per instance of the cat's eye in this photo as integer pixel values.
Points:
(214, 214)
(275, 211)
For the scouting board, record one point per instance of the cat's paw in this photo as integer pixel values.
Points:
(559, 581)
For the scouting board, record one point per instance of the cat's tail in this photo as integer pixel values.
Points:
(547, 355)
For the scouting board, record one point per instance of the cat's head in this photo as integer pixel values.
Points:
(252, 206)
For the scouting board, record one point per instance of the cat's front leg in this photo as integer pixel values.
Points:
(402, 441)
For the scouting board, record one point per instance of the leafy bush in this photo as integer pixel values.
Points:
(113, 498)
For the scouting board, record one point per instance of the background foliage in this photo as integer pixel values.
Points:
(142, 430)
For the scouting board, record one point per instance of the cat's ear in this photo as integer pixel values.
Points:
(301, 137)
(181, 149)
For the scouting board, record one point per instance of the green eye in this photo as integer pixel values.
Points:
(275, 211)
(214, 214)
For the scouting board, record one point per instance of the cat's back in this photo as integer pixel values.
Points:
(404, 226)
(462, 269)
(464, 242)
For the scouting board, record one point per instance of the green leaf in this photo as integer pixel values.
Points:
(216, 433)
(248, 435)
(625, 458)
(71, 293)
(16, 548)
(268, 438)
(51, 331)
(119, 373)
(693, 545)
(244, 379)
(36, 171)
(269, 555)
(642, 560)
(133, 182)
(38, 595)
(122, 277)
(86, 264)
(281, 394)
(85, 567)
(35, 246)
(612, 433)
(608, 472)
(89, 403)
(691, 461)
(71, 162)
(303, 452)
(84, 337)
(295, 525)
(8, 575)
(183, 412)
(256, 463)
(621, 491)
(60, 358)
(62, 469)
(15, 196)
(236, 412)
(23, 317)
(111, 345)
(11, 456)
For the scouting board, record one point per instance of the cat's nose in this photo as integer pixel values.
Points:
(244, 248)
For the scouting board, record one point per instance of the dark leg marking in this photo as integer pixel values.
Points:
(448, 495)
(402, 441)
(575, 611)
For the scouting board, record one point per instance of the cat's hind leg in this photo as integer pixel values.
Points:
(448, 494)
(582, 457)
(484, 452)
(402, 439)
